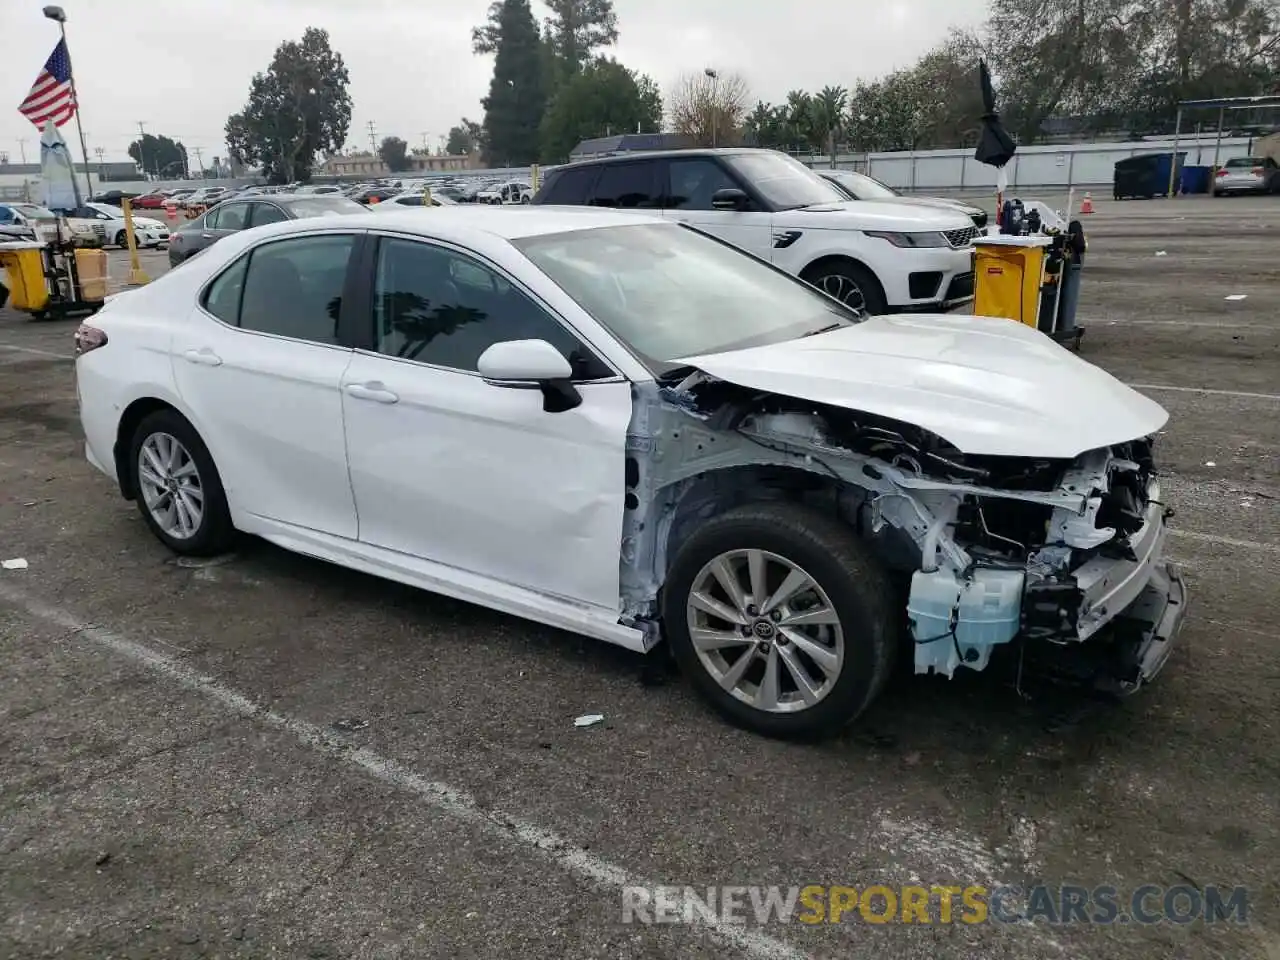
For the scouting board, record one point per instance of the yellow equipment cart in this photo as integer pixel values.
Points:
(52, 280)
(1031, 279)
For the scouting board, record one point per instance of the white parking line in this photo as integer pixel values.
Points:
(1225, 541)
(446, 799)
(1126, 322)
(1216, 393)
(38, 353)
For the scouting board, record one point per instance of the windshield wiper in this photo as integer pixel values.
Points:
(827, 329)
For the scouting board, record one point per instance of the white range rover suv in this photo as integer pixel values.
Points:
(880, 258)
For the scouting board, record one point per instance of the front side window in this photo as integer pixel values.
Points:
(784, 181)
(294, 287)
(231, 216)
(670, 292)
(440, 307)
(695, 181)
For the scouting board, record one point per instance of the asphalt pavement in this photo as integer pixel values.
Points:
(268, 756)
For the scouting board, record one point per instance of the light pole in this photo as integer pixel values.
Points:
(59, 15)
(715, 112)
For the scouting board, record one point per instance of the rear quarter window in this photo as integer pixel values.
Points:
(571, 187)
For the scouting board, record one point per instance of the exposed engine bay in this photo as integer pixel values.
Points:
(994, 547)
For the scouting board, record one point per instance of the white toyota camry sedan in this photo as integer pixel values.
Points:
(623, 427)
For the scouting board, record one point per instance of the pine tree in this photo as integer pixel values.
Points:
(517, 93)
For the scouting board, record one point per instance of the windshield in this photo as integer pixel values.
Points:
(34, 212)
(670, 292)
(322, 205)
(1236, 163)
(862, 186)
(784, 181)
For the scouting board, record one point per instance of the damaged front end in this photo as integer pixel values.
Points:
(992, 548)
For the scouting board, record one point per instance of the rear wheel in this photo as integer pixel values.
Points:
(122, 239)
(177, 487)
(780, 618)
(851, 283)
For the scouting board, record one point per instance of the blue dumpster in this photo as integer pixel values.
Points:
(1196, 179)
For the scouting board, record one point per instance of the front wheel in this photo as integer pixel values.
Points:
(780, 618)
(851, 283)
(122, 240)
(177, 487)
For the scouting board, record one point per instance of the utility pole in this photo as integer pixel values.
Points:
(142, 147)
(99, 151)
(200, 161)
(22, 148)
(373, 138)
(425, 134)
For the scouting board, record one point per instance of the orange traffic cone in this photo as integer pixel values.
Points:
(1086, 205)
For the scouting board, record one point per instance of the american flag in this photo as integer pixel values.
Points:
(50, 97)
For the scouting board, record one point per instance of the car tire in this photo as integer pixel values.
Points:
(834, 278)
(191, 478)
(122, 240)
(847, 581)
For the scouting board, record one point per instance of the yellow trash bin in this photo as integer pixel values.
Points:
(1008, 274)
(91, 268)
(23, 265)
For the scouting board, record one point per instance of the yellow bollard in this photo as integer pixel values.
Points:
(533, 177)
(136, 277)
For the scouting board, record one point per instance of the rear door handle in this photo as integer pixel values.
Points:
(206, 236)
(203, 356)
(371, 391)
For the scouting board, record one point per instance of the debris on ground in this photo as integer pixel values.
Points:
(17, 563)
(589, 720)
(1210, 463)
(1237, 296)
(1162, 253)
(347, 724)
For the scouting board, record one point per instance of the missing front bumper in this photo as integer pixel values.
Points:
(1148, 630)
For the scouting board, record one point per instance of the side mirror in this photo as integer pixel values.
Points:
(730, 198)
(531, 364)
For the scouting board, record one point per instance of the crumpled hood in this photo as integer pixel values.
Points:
(876, 215)
(988, 386)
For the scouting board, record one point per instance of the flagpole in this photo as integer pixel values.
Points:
(57, 13)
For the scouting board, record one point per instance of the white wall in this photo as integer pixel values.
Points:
(1082, 164)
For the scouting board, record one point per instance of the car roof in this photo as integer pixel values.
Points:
(462, 221)
(651, 154)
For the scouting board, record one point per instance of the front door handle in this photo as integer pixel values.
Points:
(206, 236)
(371, 391)
(203, 356)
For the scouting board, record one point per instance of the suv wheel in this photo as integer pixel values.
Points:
(851, 283)
(781, 619)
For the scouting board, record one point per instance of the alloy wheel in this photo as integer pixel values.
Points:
(765, 631)
(170, 485)
(844, 289)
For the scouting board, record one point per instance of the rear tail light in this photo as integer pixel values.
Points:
(1222, 171)
(89, 338)
(1257, 171)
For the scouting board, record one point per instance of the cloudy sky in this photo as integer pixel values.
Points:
(182, 67)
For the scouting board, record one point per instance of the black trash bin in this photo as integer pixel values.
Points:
(1145, 176)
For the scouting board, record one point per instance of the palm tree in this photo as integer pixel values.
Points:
(827, 111)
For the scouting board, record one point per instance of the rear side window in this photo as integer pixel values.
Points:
(265, 213)
(294, 287)
(571, 187)
(626, 185)
(1242, 163)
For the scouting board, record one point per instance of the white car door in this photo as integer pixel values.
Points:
(692, 182)
(259, 363)
(450, 468)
